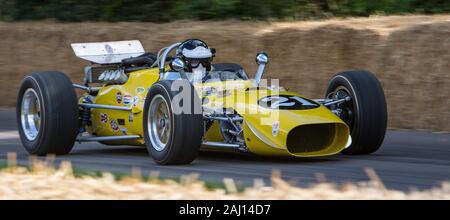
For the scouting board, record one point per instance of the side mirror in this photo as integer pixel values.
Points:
(262, 58)
(177, 64)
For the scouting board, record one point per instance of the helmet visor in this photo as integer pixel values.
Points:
(192, 44)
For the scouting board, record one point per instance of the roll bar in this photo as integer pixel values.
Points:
(162, 58)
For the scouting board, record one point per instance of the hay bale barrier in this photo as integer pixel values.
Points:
(409, 54)
(43, 181)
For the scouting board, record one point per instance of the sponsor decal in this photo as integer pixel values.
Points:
(275, 128)
(223, 93)
(140, 90)
(287, 102)
(130, 117)
(206, 91)
(114, 125)
(135, 100)
(124, 131)
(127, 99)
(109, 49)
(103, 118)
(119, 98)
(121, 121)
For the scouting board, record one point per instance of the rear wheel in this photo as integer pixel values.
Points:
(365, 113)
(47, 113)
(172, 136)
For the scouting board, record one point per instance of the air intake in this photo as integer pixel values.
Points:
(311, 137)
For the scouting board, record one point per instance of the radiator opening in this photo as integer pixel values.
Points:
(311, 137)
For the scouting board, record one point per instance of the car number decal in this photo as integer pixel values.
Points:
(288, 102)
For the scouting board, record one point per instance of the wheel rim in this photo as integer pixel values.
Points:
(159, 123)
(31, 114)
(345, 110)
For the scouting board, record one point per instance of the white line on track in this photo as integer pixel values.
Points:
(8, 135)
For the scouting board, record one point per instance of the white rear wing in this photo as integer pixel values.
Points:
(108, 52)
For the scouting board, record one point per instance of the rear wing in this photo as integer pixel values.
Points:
(108, 52)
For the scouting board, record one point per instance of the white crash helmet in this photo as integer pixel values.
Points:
(194, 52)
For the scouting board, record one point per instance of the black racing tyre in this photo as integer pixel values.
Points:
(47, 113)
(172, 137)
(365, 114)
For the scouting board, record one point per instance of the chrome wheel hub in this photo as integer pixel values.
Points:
(30, 114)
(159, 123)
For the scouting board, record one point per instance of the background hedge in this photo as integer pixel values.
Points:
(168, 10)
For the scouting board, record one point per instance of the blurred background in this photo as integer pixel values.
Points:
(164, 11)
(404, 42)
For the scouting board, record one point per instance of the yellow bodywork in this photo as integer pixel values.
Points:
(136, 86)
(239, 95)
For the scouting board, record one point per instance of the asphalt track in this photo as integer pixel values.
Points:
(407, 160)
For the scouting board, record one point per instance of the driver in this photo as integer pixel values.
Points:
(197, 57)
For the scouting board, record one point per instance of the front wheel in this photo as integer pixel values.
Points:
(172, 131)
(47, 113)
(365, 113)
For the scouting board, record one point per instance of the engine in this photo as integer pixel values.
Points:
(105, 74)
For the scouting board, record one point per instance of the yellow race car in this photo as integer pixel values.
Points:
(162, 101)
